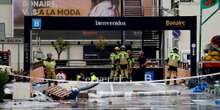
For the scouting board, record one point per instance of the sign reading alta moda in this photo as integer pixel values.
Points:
(208, 3)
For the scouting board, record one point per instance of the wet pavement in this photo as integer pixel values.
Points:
(185, 101)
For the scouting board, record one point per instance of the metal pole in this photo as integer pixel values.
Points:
(122, 7)
(2, 46)
(200, 32)
(122, 15)
(160, 11)
(18, 56)
(161, 35)
(68, 55)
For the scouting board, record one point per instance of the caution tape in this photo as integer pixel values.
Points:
(153, 81)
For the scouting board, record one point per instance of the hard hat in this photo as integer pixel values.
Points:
(123, 47)
(175, 49)
(117, 48)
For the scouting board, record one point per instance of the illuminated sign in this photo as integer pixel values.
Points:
(175, 23)
(36, 23)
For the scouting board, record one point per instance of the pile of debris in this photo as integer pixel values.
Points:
(57, 92)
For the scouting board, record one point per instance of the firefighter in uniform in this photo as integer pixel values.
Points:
(115, 64)
(49, 68)
(123, 61)
(173, 62)
(130, 63)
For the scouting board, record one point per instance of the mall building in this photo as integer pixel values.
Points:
(155, 43)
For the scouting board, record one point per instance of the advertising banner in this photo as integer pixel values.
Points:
(64, 8)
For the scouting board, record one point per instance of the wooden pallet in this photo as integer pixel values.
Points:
(57, 92)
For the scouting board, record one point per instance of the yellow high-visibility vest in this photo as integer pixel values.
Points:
(123, 57)
(173, 59)
(93, 78)
(49, 64)
(78, 77)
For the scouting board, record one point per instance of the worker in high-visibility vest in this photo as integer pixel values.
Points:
(130, 63)
(115, 64)
(80, 76)
(93, 77)
(49, 68)
(123, 61)
(173, 62)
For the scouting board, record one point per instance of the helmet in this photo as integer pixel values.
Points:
(123, 47)
(117, 48)
(175, 49)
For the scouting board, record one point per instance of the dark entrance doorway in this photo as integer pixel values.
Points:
(109, 23)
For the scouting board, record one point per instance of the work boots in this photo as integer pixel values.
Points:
(168, 82)
(175, 81)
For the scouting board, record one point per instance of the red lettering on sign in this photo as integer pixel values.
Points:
(209, 2)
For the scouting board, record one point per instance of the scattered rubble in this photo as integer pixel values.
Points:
(57, 92)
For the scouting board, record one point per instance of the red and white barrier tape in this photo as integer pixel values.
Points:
(153, 81)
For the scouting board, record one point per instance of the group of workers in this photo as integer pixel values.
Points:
(49, 65)
(81, 77)
(122, 64)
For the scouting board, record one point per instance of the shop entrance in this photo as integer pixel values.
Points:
(109, 23)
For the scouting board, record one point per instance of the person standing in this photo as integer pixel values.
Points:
(142, 61)
(93, 77)
(130, 63)
(115, 64)
(80, 76)
(173, 62)
(123, 61)
(49, 68)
